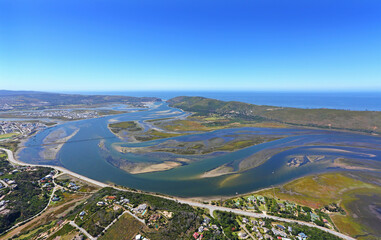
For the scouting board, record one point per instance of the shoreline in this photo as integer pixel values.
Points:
(190, 201)
(13, 160)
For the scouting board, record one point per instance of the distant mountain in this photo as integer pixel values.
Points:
(9, 92)
(367, 121)
(11, 100)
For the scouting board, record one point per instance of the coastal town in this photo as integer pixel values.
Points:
(56, 114)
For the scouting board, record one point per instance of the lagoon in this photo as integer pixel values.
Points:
(82, 154)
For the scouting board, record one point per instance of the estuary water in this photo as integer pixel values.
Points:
(82, 154)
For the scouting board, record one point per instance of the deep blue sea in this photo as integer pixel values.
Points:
(344, 100)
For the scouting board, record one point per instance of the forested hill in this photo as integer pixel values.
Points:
(367, 121)
(11, 100)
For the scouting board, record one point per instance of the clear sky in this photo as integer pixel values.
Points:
(80, 45)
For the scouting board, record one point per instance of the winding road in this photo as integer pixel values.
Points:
(211, 208)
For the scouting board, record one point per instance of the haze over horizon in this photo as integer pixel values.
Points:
(192, 46)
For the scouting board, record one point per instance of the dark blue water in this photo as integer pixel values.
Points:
(335, 100)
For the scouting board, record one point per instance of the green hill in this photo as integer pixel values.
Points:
(366, 121)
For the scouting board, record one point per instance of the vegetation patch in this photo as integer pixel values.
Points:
(128, 126)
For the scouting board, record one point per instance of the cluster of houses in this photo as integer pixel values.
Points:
(3, 205)
(258, 203)
(19, 127)
(46, 182)
(206, 226)
(73, 186)
(67, 114)
(258, 229)
(11, 183)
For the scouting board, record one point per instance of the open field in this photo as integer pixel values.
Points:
(8, 135)
(124, 229)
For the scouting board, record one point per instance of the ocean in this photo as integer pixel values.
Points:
(363, 101)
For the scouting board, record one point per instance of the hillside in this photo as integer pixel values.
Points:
(366, 121)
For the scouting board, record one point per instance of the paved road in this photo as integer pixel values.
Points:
(211, 208)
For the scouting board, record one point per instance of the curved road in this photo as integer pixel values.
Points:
(211, 208)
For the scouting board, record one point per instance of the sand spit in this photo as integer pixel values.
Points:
(219, 171)
(50, 151)
(147, 168)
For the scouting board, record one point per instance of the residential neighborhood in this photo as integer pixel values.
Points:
(24, 128)
(281, 208)
(56, 114)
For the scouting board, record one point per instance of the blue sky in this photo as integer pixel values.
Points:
(190, 45)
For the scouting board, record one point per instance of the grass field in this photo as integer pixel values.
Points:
(8, 135)
(354, 196)
(317, 191)
(67, 232)
(125, 228)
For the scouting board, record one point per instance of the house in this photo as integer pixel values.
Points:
(278, 233)
(261, 199)
(251, 198)
(206, 220)
(281, 227)
(11, 182)
(314, 217)
(55, 199)
(245, 220)
(154, 217)
(302, 236)
(141, 208)
(82, 213)
(242, 235)
(214, 226)
(100, 203)
(201, 229)
(196, 235)
(110, 198)
(138, 237)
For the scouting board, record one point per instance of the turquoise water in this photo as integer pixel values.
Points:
(82, 155)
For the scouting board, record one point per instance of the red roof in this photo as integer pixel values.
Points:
(111, 197)
(195, 235)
